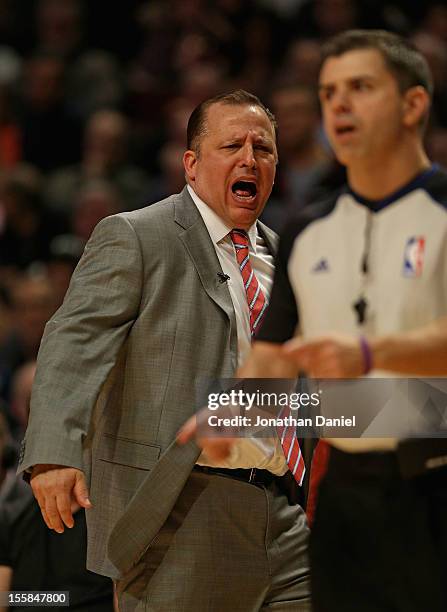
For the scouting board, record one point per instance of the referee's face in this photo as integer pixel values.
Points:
(363, 110)
(233, 171)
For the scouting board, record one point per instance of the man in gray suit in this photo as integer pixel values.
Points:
(157, 303)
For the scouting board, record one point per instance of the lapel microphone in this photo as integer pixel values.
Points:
(223, 278)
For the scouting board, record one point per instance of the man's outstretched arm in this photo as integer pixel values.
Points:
(78, 351)
(418, 352)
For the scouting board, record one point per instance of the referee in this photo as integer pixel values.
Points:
(361, 285)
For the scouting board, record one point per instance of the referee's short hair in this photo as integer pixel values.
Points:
(402, 59)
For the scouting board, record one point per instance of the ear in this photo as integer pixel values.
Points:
(189, 163)
(416, 105)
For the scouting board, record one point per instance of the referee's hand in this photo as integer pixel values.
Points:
(331, 356)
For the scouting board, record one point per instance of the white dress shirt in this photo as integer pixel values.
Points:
(265, 453)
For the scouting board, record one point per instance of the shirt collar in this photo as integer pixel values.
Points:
(217, 228)
(416, 182)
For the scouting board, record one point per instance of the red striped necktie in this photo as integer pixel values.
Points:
(257, 304)
(291, 447)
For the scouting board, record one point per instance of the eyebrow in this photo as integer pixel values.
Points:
(264, 140)
(258, 139)
(357, 77)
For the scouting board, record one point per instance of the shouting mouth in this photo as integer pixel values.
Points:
(244, 190)
(344, 131)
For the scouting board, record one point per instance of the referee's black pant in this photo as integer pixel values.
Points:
(379, 542)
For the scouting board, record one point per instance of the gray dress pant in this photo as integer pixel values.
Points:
(228, 546)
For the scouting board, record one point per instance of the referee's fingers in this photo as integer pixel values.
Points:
(301, 353)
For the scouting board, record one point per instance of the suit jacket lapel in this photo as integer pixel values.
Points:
(270, 237)
(197, 242)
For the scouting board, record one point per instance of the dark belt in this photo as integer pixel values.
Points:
(254, 476)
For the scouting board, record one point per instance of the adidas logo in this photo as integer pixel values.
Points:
(321, 266)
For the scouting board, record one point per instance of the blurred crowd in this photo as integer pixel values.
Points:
(94, 100)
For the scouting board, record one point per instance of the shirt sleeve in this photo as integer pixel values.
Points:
(281, 318)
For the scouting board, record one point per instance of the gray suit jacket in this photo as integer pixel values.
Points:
(144, 319)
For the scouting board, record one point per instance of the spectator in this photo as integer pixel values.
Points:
(10, 486)
(27, 226)
(96, 200)
(10, 133)
(50, 134)
(32, 557)
(435, 21)
(437, 146)
(171, 176)
(59, 27)
(434, 50)
(32, 302)
(301, 63)
(303, 159)
(20, 397)
(95, 81)
(65, 252)
(323, 18)
(5, 314)
(105, 156)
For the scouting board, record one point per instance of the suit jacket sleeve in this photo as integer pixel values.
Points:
(81, 344)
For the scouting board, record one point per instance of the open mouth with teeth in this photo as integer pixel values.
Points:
(244, 190)
(345, 129)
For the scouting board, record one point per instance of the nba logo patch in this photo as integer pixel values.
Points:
(414, 256)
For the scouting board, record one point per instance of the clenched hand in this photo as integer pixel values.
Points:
(331, 356)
